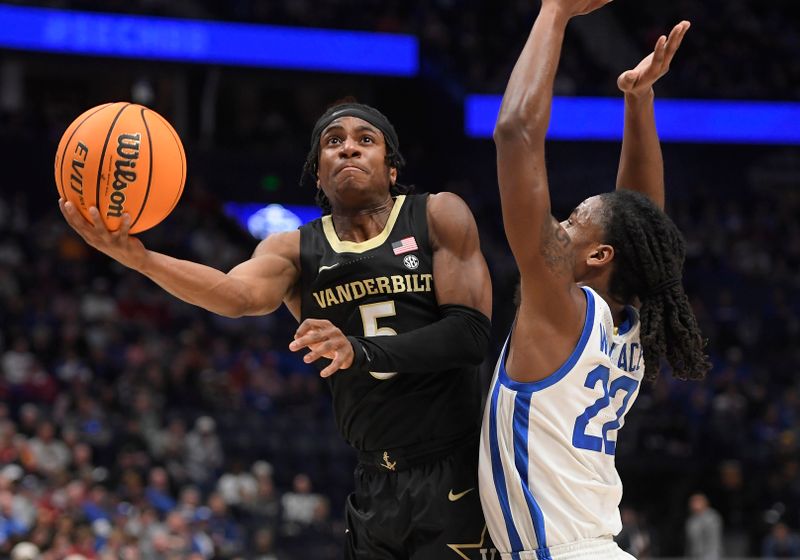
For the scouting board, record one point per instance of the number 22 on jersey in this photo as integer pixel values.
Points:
(580, 438)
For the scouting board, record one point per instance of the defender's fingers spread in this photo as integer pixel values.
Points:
(678, 32)
(658, 53)
(680, 35)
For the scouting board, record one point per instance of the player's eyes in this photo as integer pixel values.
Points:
(333, 140)
(368, 139)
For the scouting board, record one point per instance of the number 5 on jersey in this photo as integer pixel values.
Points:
(370, 313)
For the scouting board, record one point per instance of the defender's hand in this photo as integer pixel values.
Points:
(325, 341)
(574, 8)
(640, 80)
(118, 245)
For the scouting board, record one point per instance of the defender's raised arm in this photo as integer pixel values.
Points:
(641, 166)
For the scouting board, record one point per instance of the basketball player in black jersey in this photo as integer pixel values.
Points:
(378, 263)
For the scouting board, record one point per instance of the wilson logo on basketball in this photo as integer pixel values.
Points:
(121, 158)
(124, 174)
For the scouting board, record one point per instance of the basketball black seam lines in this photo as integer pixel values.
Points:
(64, 155)
(149, 171)
(183, 160)
(103, 154)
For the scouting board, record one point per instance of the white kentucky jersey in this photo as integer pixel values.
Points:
(547, 474)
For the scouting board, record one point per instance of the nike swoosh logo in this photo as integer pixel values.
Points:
(455, 497)
(327, 267)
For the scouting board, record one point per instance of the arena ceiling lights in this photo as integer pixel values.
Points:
(184, 40)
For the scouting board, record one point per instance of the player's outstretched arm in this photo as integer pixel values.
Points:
(641, 166)
(255, 287)
(540, 245)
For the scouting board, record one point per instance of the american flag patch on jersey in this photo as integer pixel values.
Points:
(404, 246)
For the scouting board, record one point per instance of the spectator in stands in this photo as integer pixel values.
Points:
(49, 455)
(263, 508)
(158, 492)
(224, 531)
(25, 551)
(237, 484)
(703, 530)
(203, 452)
(634, 538)
(299, 505)
(781, 543)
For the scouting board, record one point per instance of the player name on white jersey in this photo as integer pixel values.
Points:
(547, 473)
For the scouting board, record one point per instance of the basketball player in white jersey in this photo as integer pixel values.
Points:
(601, 304)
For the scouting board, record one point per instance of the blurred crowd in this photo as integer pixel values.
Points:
(135, 426)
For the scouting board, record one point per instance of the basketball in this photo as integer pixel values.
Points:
(121, 157)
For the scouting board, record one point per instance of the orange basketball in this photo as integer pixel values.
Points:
(121, 157)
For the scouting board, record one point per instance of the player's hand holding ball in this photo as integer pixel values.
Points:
(120, 169)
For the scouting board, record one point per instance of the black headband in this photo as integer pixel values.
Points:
(363, 112)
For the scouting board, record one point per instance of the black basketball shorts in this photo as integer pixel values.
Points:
(430, 511)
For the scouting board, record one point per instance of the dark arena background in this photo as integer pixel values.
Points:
(133, 425)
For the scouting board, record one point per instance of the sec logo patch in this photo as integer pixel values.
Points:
(411, 262)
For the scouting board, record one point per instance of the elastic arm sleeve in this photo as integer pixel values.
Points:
(459, 339)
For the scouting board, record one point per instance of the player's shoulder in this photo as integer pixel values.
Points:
(450, 221)
(445, 200)
(447, 207)
(284, 243)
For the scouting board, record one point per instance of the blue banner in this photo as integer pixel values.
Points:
(269, 46)
(678, 120)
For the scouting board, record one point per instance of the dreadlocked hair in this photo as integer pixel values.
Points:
(648, 254)
(309, 175)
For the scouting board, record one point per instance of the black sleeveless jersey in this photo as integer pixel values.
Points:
(384, 286)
